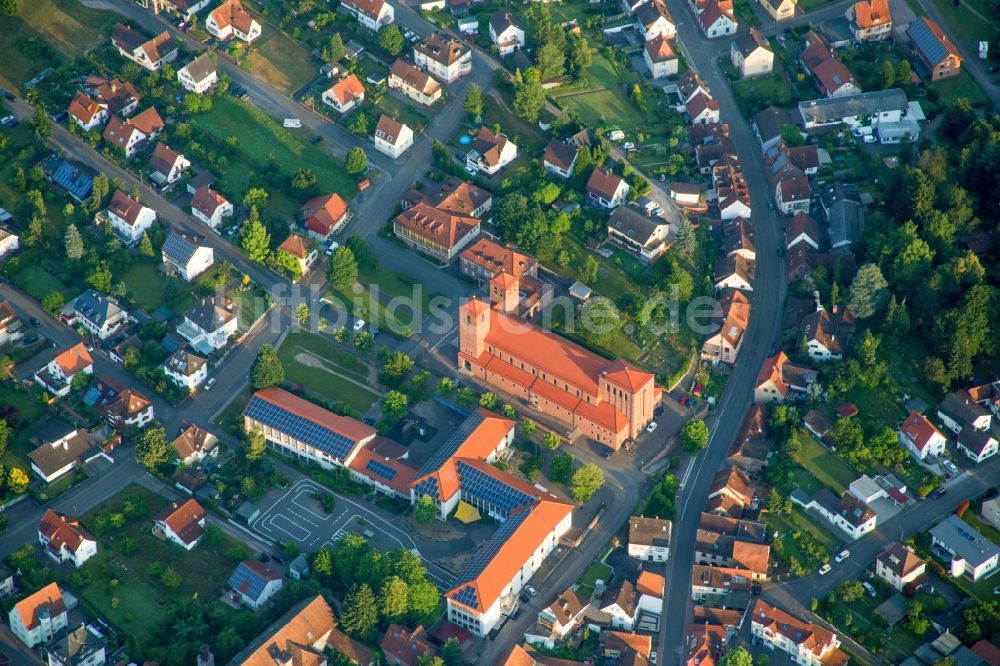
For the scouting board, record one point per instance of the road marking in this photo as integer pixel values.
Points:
(687, 473)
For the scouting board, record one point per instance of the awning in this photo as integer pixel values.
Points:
(467, 513)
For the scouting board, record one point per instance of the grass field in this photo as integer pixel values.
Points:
(960, 85)
(261, 136)
(899, 643)
(29, 411)
(252, 305)
(281, 61)
(319, 366)
(786, 524)
(828, 468)
(122, 588)
(597, 571)
(966, 24)
(68, 25)
(145, 286)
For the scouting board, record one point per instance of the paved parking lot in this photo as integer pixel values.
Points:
(296, 516)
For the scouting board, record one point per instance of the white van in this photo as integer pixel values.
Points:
(293, 122)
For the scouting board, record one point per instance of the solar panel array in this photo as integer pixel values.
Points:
(178, 248)
(76, 182)
(244, 575)
(450, 446)
(91, 396)
(171, 343)
(297, 427)
(428, 486)
(927, 42)
(482, 557)
(381, 469)
(489, 489)
(467, 596)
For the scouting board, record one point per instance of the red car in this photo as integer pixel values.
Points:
(697, 389)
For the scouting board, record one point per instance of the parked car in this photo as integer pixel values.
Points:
(35, 322)
(949, 466)
(651, 427)
(8, 121)
(532, 591)
(869, 588)
(316, 139)
(359, 325)
(824, 570)
(842, 555)
(652, 657)
(472, 171)
(210, 383)
(658, 412)
(938, 492)
(697, 388)
(608, 453)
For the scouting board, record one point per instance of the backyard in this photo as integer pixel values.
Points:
(858, 619)
(597, 571)
(322, 367)
(796, 536)
(825, 466)
(281, 61)
(126, 583)
(145, 288)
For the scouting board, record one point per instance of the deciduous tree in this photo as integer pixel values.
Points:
(473, 103)
(424, 511)
(586, 481)
(152, 449)
(694, 436)
(390, 38)
(255, 239)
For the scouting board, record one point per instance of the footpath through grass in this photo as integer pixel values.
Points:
(320, 366)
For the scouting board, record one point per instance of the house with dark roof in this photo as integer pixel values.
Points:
(446, 58)
(129, 219)
(194, 444)
(653, 21)
(558, 619)
(734, 272)
(969, 552)
(120, 97)
(606, 189)
(621, 602)
(166, 166)
(64, 539)
(559, 158)
(844, 212)
(959, 411)
(802, 228)
(827, 333)
(79, 647)
(186, 369)
(751, 54)
(649, 539)
(150, 54)
(490, 152)
(506, 32)
(98, 313)
(59, 449)
(645, 236)
(254, 583)
(209, 324)
(185, 257)
(936, 52)
(199, 75)
(39, 617)
(977, 445)
(182, 523)
(900, 567)
(881, 108)
(847, 512)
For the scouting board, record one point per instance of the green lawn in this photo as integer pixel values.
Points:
(960, 85)
(320, 367)
(898, 642)
(68, 25)
(30, 411)
(397, 285)
(965, 24)
(38, 282)
(281, 61)
(825, 466)
(145, 288)
(231, 418)
(597, 571)
(408, 113)
(261, 137)
(252, 304)
(121, 586)
(785, 525)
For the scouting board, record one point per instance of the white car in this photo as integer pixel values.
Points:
(652, 657)
(530, 590)
(472, 171)
(209, 384)
(651, 427)
(949, 466)
(842, 555)
(824, 570)
(628, 145)
(359, 325)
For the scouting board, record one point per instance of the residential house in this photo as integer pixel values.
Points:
(977, 445)
(731, 188)
(558, 619)
(606, 189)
(9, 243)
(730, 492)
(182, 523)
(779, 378)
(645, 236)
(649, 539)
(716, 18)
(726, 587)
(186, 369)
(958, 410)
(199, 75)
(987, 395)
(185, 257)
(767, 125)
(751, 449)
(119, 97)
(876, 110)
(129, 409)
(298, 569)
(392, 137)
(751, 54)
(57, 376)
(458, 197)
(194, 444)
(844, 212)
(124, 135)
(434, 231)
(87, 112)
(414, 82)
(870, 20)
(805, 643)
(702, 109)
(323, 215)
(803, 229)
(128, 217)
(724, 345)
(627, 648)
(792, 194)
(372, 14)
(486, 259)
(734, 272)
(82, 646)
(64, 539)
(39, 617)
(620, 601)
(745, 530)
(737, 238)
(99, 314)
(150, 54)
(827, 332)
(660, 57)
(780, 10)
(820, 60)
(59, 448)
(209, 324)
(689, 196)
(11, 327)
(446, 58)
(301, 635)
(936, 52)
(254, 583)
(899, 566)
(653, 21)
(970, 553)
(210, 207)
(705, 641)
(345, 94)
(302, 250)
(401, 647)
(490, 152)
(990, 512)
(506, 32)
(231, 19)
(722, 550)
(921, 437)
(559, 158)
(651, 587)
(166, 166)
(847, 512)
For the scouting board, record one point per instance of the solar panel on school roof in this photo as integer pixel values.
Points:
(428, 486)
(448, 449)
(381, 469)
(309, 432)
(482, 557)
(489, 489)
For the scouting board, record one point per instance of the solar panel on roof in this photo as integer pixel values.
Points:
(927, 42)
(76, 183)
(91, 396)
(485, 554)
(490, 490)
(246, 577)
(381, 469)
(467, 596)
(309, 432)
(428, 486)
(449, 448)
(170, 343)
(178, 248)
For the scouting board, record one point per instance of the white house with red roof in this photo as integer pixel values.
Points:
(716, 18)
(490, 152)
(254, 583)
(182, 523)
(39, 617)
(230, 19)
(87, 112)
(392, 137)
(921, 437)
(57, 376)
(606, 189)
(324, 215)
(372, 14)
(148, 53)
(210, 207)
(345, 94)
(805, 643)
(64, 539)
(128, 217)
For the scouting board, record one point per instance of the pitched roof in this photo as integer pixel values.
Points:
(769, 121)
(802, 223)
(164, 158)
(231, 12)
(734, 265)
(751, 556)
(871, 13)
(370, 8)
(604, 183)
(435, 225)
(701, 103)
(813, 637)
(127, 404)
(651, 11)
(650, 583)
(127, 39)
(74, 359)
(560, 154)
(323, 213)
(347, 89)
(784, 374)
(734, 479)
(460, 197)
(207, 201)
(148, 121)
(931, 41)
(405, 647)
(660, 50)
(749, 40)
(414, 77)
(297, 246)
(125, 207)
(118, 131)
(497, 258)
(179, 248)
(62, 529)
(291, 403)
(919, 430)
(490, 145)
(795, 188)
(649, 531)
(622, 641)
(49, 598)
(51, 459)
(502, 20)
(201, 67)
(117, 94)
(212, 313)
(832, 329)
(567, 606)
(976, 441)
(713, 12)
(251, 577)
(441, 48)
(302, 627)
(388, 129)
(194, 439)
(84, 108)
(901, 560)
(184, 520)
(185, 363)
(621, 593)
